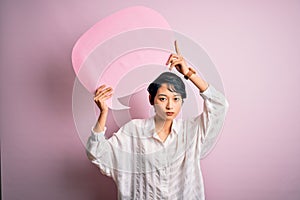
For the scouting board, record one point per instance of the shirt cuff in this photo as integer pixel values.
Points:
(211, 93)
(97, 136)
(206, 94)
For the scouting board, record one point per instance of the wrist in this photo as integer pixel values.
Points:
(98, 129)
(104, 111)
(188, 74)
(103, 114)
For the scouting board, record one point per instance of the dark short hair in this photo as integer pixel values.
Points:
(174, 83)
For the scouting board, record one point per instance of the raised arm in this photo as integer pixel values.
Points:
(210, 121)
(177, 61)
(101, 95)
(98, 148)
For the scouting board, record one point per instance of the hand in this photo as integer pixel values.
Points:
(101, 95)
(177, 61)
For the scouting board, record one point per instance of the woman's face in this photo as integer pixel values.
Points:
(167, 104)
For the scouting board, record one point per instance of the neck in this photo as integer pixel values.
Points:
(162, 125)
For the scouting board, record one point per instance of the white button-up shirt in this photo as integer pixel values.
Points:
(144, 167)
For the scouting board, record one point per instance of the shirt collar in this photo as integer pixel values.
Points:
(174, 128)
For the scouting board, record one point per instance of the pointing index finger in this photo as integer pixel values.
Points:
(176, 48)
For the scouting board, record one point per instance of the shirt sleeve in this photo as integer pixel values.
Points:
(111, 154)
(98, 151)
(211, 119)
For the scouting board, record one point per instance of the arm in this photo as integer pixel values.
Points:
(209, 122)
(177, 61)
(98, 151)
(113, 154)
(101, 95)
(98, 147)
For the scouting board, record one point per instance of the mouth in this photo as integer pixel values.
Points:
(170, 113)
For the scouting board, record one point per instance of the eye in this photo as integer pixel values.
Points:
(162, 98)
(177, 99)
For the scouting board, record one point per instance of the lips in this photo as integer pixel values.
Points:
(170, 113)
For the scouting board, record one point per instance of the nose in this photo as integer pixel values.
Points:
(170, 105)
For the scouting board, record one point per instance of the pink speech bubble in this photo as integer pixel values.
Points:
(124, 20)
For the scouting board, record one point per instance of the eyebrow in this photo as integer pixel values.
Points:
(166, 95)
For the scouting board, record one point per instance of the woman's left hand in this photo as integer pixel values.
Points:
(177, 61)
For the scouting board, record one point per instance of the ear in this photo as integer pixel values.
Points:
(150, 100)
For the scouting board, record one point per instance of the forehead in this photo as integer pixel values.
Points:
(165, 89)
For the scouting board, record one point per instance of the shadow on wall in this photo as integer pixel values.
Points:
(76, 175)
(57, 87)
(87, 181)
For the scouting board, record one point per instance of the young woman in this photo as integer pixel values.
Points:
(159, 157)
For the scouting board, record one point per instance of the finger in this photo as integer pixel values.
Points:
(169, 59)
(172, 57)
(176, 48)
(103, 97)
(107, 97)
(178, 67)
(103, 92)
(175, 64)
(170, 66)
(99, 89)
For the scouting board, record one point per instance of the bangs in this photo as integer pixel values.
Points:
(171, 88)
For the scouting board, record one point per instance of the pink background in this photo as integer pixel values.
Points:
(254, 44)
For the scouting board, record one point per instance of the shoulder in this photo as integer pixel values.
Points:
(135, 124)
(139, 127)
(191, 122)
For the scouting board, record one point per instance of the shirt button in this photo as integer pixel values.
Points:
(163, 171)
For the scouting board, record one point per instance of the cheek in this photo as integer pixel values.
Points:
(159, 109)
(178, 107)
(158, 106)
